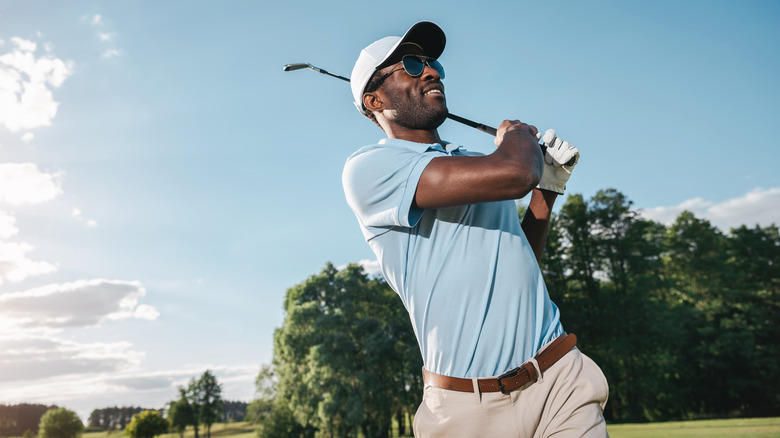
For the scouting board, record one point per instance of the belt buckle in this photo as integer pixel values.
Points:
(513, 373)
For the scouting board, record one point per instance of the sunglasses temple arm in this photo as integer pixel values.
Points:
(484, 128)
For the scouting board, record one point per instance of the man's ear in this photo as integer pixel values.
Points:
(373, 102)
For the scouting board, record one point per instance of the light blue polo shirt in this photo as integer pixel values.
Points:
(467, 275)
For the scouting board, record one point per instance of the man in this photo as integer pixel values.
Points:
(443, 225)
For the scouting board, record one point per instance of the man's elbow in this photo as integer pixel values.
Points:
(525, 179)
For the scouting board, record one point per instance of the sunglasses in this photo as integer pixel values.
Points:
(414, 66)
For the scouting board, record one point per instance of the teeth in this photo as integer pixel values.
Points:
(432, 91)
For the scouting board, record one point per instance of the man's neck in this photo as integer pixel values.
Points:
(415, 135)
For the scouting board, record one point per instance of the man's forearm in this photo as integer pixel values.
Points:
(537, 219)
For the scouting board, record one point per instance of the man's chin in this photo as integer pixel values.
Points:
(441, 116)
(424, 118)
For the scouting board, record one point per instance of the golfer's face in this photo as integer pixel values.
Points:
(416, 102)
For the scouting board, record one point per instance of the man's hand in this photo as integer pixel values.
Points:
(559, 161)
(515, 127)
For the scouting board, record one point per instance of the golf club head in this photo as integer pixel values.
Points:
(291, 67)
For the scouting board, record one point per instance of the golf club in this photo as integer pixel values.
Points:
(484, 128)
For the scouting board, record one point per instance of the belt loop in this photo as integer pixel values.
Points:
(538, 370)
(477, 392)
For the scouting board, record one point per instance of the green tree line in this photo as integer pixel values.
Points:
(199, 404)
(17, 419)
(681, 318)
(113, 418)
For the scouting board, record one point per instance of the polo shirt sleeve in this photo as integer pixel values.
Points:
(380, 183)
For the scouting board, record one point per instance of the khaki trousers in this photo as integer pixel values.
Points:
(567, 401)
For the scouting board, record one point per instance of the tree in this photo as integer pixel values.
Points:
(281, 423)
(265, 393)
(206, 394)
(147, 424)
(606, 274)
(754, 258)
(344, 355)
(232, 410)
(113, 418)
(60, 423)
(17, 419)
(181, 414)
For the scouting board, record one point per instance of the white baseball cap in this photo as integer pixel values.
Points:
(426, 34)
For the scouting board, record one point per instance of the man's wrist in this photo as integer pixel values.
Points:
(542, 202)
(547, 193)
(550, 188)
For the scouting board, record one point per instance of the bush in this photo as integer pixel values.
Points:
(60, 423)
(147, 424)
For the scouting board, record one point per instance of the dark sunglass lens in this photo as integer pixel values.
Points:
(437, 66)
(413, 65)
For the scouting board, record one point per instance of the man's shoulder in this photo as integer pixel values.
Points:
(396, 145)
(390, 152)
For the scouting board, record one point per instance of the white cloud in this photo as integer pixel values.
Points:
(90, 390)
(7, 225)
(27, 137)
(25, 358)
(81, 303)
(26, 99)
(24, 45)
(77, 214)
(146, 312)
(108, 38)
(15, 266)
(24, 183)
(111, 53)
(757, 207)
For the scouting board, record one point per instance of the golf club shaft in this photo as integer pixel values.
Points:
(484, 128)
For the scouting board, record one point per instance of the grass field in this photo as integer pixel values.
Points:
(740, 427)
(219, 430)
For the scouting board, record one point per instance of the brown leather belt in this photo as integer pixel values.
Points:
(512, 379)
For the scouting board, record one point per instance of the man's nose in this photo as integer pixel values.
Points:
(430, 73)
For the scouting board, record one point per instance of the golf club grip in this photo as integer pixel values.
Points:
(490, 130)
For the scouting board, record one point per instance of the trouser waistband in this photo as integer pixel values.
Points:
(512, 379)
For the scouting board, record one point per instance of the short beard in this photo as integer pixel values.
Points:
(415, 115)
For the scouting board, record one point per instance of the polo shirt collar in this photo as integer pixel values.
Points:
(445, 146)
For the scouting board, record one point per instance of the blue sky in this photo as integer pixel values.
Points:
(163, 181)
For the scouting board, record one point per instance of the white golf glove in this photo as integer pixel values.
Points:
(559, 160)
